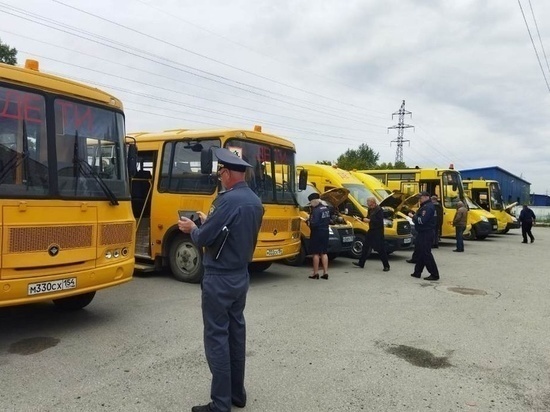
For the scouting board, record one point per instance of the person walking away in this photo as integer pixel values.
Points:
(459, 222)
(439, 220)
(319, 220)
(424, 222)
(375, 235)
(527, 219)
(229, 234)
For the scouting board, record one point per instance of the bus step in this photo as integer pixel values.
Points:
(144, 267)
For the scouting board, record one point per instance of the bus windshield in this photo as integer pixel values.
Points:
(452, 189)
(272, 175)
(495, 194)
(89, 151)
(359, 192)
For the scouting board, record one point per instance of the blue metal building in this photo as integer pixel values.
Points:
(540, 200)
(514, 188)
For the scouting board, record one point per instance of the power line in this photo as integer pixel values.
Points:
(534, 47)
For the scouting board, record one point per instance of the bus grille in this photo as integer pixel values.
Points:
(280, 225)
(403, 227)
(493, 221)
(114, 233)
(39, 239)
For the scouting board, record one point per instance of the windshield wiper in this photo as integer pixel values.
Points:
(81, 165)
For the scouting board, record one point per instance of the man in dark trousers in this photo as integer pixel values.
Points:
(375, 235)
(318, 222)
(424, 222)
(527, 219)
(226, 279)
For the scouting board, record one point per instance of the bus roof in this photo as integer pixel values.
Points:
(32, 77)
(178, 134)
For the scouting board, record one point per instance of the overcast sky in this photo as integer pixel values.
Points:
(325, 74)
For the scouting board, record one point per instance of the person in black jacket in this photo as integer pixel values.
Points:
(375, 235)
(527, 219)
(424, 222)
(318, 221)
(439, 218)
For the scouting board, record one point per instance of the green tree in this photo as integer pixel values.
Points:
(362, 158)
(324, 162)
(8, 55)
(398, 165)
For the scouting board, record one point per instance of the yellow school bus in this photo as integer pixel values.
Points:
(447, 185)
(66, 222)
(175, 173)
(397, 231)
(487, 194)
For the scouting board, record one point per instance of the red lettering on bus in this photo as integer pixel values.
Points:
(23, 106)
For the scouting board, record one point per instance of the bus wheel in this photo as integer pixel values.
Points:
(357, 247)
(185, 260)
(257, 267)
(74, 302)
(297, 260)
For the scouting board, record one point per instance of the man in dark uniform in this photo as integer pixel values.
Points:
(318, 221)
(226, 279)
(375, 235)
(439, 220)
(424, 222)
(527, 219)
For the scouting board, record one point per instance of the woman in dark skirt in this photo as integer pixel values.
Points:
(318, 240)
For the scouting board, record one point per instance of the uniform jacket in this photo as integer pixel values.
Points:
(461, 217)
(241, 211)
(424, 219)
(319, 218)
(526, 215)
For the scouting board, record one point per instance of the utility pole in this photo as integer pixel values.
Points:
(400, 126)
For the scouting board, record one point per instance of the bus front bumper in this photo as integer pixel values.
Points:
(398, 243)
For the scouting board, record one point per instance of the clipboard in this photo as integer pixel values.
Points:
(219, 243)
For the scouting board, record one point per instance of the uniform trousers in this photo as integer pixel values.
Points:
(526, 230)
(424, 241)
(374, 241)
(223, 303)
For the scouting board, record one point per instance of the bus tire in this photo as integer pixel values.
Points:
(299, 259)
(185, 260)
(357, 247)
(257, 267)
(74, 302)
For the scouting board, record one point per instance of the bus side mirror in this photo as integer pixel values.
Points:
(206, 161)
(302, 180)
(132, 159)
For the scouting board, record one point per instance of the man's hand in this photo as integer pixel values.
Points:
(186, 225)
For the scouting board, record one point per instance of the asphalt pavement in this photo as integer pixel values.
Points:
(363, 340)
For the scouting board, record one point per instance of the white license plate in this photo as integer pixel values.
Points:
(347, 239)
(407, 240)
(495, 227)
(274, 252)
(52, 286)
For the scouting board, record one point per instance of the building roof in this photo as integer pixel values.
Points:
(479, 169)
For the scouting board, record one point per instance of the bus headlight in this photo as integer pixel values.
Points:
(388, 222)
(116, 253)
(108, 254)
(484, 219)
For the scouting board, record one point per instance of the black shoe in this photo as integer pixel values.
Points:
(524, 241)
(201, 408)
(415, 276)
(316, 276)
(431, 278)
(386, 269)
(456, 250)
(325, 276)
(410, 261)
(238, 404)
(435, 247)
(532, 240)
(358, 265)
